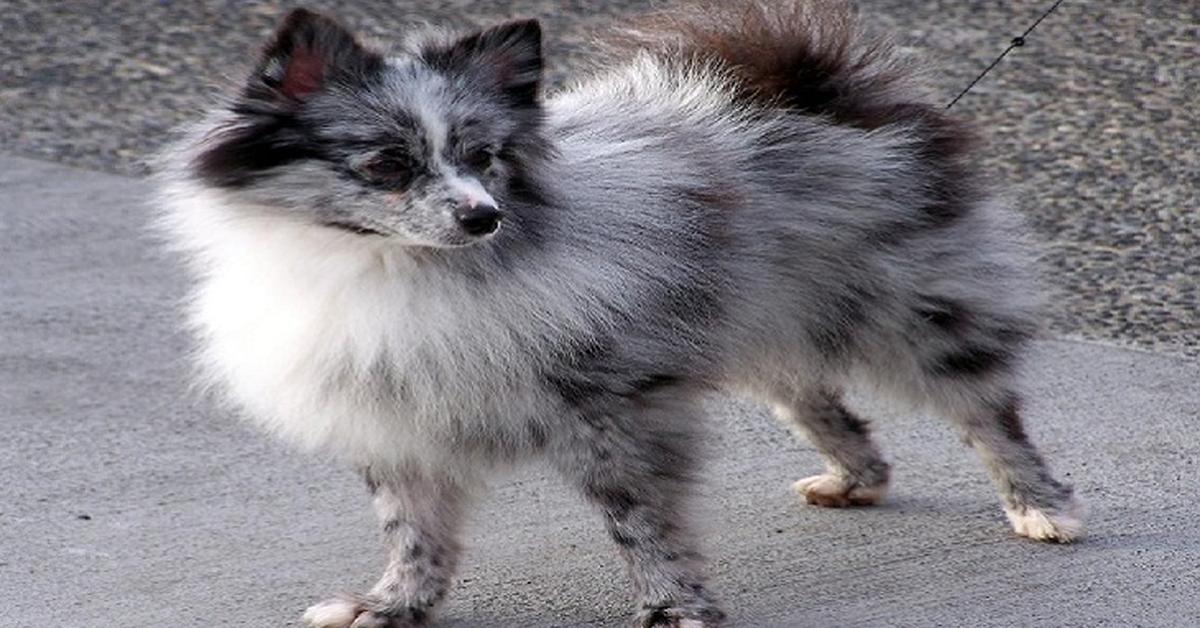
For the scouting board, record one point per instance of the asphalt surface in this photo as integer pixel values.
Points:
(125, 501)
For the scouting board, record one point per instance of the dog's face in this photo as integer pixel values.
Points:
(425, 148)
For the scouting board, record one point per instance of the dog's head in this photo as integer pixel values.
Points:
(426, 147)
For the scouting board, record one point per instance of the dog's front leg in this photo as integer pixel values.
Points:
(421, 516)
(636, 464)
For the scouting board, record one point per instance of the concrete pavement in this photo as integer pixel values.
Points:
(124, 501)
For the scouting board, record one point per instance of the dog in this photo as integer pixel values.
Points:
(421, 263)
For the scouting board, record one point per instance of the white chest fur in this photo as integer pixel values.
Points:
(335, 343)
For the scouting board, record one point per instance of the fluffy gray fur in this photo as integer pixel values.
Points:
(751, 198)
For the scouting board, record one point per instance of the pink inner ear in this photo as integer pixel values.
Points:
(304, 75)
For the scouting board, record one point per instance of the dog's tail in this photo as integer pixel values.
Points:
(808, 55)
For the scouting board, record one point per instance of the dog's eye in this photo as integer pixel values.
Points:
(479, 159)
(392, 169)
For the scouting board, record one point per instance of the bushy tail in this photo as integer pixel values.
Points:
(809, 55)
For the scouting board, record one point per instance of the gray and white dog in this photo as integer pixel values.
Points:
(417, 262)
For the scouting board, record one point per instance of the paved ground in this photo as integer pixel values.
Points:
(123, 501)
(126, 503)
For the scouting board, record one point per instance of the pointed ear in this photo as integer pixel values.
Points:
(307, 53)
(508, 56)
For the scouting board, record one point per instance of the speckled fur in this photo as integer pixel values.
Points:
(776, 220)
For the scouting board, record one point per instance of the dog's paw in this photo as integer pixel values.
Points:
(683, 616)
(681, 623)
(367, 619)
(335, 613)
(836, 491)
(1061, 525)
(348, 612)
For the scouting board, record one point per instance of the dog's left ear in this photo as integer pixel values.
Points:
(508, 56)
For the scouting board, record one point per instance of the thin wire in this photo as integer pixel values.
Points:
(1016, 42)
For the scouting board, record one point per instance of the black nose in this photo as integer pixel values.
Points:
(479, 220)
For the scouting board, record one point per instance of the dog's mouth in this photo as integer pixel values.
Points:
(352, 228)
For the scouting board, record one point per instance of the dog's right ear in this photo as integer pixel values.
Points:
(507, 57)
(308, 53)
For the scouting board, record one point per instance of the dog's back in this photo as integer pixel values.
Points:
(778, 148)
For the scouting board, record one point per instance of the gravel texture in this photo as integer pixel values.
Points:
(1092, 126)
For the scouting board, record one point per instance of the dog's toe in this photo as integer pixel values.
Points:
(1061, 525)
(334, 613)
(368, 619)
(835, 491)
(684, 616)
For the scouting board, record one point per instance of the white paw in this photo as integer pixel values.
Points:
(836, 491)
(1061, 526)
(335, 613)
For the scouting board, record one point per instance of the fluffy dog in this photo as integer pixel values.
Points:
(418, 262)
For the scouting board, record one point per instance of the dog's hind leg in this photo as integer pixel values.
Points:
(1037, 505)
(855, 472)
(965, 367)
